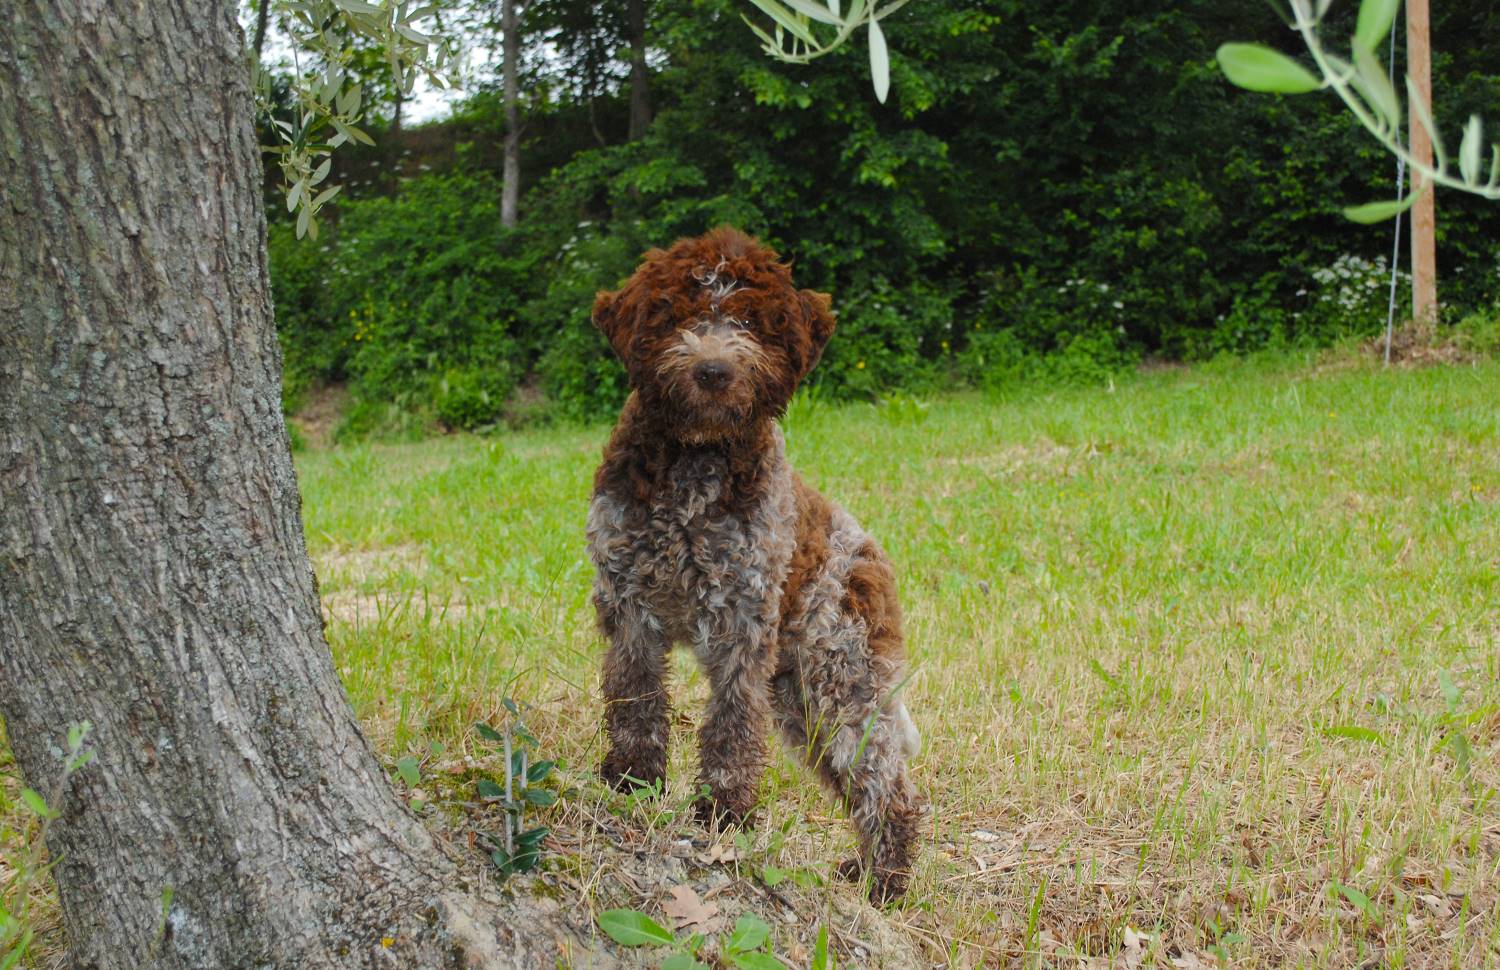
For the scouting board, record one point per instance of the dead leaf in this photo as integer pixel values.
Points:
(685, 909)
(718, 855)
(1437, 905)
(984, 835)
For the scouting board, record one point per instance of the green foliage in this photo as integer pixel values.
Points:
(578, 371)
(746, 948)
(1053, 193)
(473, 397)
(884, 340)
(1479, 333)
(415, 300)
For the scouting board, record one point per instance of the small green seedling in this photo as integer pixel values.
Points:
(516, 848)
(747, 947)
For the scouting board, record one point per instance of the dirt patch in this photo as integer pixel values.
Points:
(1415, 344)
(350, 566)
(599, 855)
(366, 609)
(526, 403)
(322, 410)
(1041, 456)
(1160, 365)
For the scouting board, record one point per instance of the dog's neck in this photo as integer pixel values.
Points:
(643, 453)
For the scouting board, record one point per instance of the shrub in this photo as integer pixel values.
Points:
(1349, 297)
(314, 335)
(1479, 332)
(579, 373)
(467, 398)
(886, 339)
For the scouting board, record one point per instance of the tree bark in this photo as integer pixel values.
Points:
(640, 77)
(510, 190)
(153, 574)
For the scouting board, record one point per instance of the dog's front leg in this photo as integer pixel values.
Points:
(635, 695)
(732, 740)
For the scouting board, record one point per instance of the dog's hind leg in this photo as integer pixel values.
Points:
(858, 743)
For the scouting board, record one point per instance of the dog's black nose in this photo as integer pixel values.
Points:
(711, 375)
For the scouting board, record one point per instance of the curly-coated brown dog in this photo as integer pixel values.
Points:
(701, 534)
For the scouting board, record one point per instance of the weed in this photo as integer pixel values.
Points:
(29, 865)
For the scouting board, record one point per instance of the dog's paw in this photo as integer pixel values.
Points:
(623, 777)
(889, 885)
(724, 813)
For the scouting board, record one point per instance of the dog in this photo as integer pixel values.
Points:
(701, 534)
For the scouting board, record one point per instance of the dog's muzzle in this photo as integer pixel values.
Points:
(713, 375)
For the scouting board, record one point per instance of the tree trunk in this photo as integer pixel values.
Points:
(262, 18)
(640, 78)
(153, 574)
(510, 190)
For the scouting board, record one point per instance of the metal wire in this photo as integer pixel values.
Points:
(1390, 313)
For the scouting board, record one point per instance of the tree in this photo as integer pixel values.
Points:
(511, 186)
(640, 77)
(153, 573)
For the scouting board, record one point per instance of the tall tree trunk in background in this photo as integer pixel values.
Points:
(640, 78)
(510, 190)
(153, 574)
(262, 18)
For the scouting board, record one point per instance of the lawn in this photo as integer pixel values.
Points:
(1205, 661)
(1206, 664)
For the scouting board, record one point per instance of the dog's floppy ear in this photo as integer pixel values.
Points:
(607, 318)
(818, 322)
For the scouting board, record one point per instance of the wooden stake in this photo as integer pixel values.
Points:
(1424, 213)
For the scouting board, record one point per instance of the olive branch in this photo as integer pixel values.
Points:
(1364, 87)
(328, 103)
(795, 40)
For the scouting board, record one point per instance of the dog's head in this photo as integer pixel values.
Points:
(713, 333)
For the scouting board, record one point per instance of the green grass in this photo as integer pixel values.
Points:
(1191, 654)
(1209, 656)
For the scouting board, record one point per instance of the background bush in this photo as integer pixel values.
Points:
(1053, 193)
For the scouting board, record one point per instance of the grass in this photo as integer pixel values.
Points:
(1206, 662)
(1191, 654)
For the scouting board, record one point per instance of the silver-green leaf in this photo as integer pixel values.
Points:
(880, 61)
(1375, 19)
(1468, 152)
(1372, 212)
(1376, 87)
(1256, 67)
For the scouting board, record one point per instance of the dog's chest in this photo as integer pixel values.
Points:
(703, 567)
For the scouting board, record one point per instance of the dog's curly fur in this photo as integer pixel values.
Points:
(702, 534)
